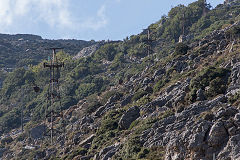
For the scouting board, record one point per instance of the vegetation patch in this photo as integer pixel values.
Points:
(212, 80)
(153, 153)
(181, 49)
(160, 84)
(108, 129)
(139, 94)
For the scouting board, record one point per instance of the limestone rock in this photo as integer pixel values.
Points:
(127, 100)
(107, 152)
(227, 113)
(146, 81)
(127, 118)
(87, 51)
(217, 135)
(87, 140)
(237, 119)
(200, 95)
(86, 119)
(98, 112)
(232, 149)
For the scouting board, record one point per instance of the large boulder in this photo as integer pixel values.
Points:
(232, 149)
(217, 135)
(131, 115)
(107, 152)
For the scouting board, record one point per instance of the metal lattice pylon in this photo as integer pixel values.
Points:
(149, 42)
(53, 94)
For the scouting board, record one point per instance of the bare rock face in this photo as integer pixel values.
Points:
(158, 73)
(131, 115)
(99, 111)
(87, 140)
(188, 135)
(172, 95)
(107, 152)
(235, 80)
(232, 149)
(237, 119)
(217, 135)
(87, 51)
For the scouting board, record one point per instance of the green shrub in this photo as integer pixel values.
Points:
(109, 94)
(156, 153)
(85, 89)
(118, 61)
(21, 137)
(107, 51)
(234, 32)
(10, 120)
(217, 86)
(192, 96)
(142, 101)
(92, 106)
(160, 84)
(132, 147)
(107, 130)
(214, 78)
(110, 121)
(143, 153)
(80, 151)
(139, 95)
(181, 49)
(167, 113)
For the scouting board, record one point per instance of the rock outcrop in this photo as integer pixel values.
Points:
(127, 118)
(87, 51)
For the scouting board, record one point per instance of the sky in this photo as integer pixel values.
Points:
(83, 19)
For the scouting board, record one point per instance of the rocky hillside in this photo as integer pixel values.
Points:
(23, 49)
(179, 102)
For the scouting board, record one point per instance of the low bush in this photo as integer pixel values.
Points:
(181, 49)
(160, 84)
(139, 94)
(216, 79)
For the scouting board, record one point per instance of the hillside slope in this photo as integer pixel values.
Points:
(22, 49)
(179, 102)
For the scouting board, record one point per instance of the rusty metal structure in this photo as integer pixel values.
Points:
(53, 110)
(204, 8)
(149, 41)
